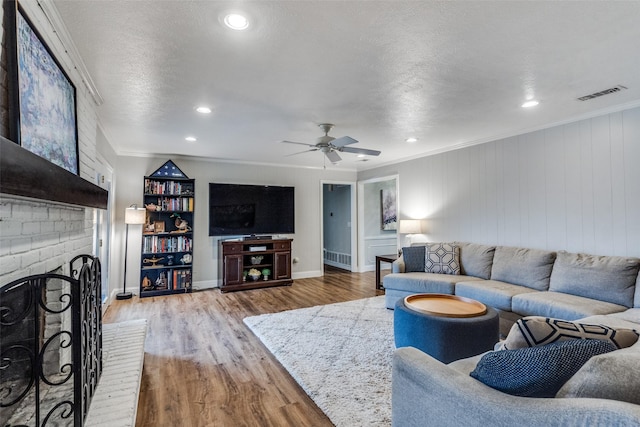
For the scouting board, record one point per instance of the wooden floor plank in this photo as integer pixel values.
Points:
(204, 367)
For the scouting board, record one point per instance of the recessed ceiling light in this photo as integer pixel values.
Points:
(190, 139)
(236, 21)
(203, 110)
(411, 139)
(529, 104)
(360, 155)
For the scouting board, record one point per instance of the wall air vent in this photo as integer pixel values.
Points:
(602, 93)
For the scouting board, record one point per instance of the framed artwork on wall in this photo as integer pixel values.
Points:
(45, 121)
(388, 209)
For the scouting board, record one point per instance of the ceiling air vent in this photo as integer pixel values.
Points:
(602, 93)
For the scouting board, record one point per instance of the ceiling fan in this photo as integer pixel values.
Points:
(330, 146)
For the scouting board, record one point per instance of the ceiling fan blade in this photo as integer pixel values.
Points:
(343, 140)
(333, 156)
(300, 152)
(360, 151)
(298, 143)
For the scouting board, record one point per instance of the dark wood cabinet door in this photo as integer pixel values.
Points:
(232, 270)
(282, 265)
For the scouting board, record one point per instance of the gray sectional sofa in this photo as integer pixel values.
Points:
(520, 282)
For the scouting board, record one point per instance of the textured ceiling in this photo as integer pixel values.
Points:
(448, 73)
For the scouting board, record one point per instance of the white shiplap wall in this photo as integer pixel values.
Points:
(574, 187)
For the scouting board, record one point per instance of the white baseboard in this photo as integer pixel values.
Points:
(306, 274)
(205, 284)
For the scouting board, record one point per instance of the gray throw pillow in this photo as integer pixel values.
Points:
(608, 376)
(537, 371)
(413, 257)
(443, 258)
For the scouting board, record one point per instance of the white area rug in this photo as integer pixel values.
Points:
(339, 353)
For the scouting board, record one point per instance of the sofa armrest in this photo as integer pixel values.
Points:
(428, 392)
(398, 266)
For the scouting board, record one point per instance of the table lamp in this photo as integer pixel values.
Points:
(410, 227)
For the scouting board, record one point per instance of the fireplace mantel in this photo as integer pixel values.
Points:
(25, 174)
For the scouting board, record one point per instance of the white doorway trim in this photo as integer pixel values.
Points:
(105, 228)
(353, 219)
(362, 262)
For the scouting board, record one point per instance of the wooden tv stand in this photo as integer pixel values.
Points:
(237, 262)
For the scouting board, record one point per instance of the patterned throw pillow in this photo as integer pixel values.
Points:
(443, 258)
(413, 257)
(535, 330)
(537, 371)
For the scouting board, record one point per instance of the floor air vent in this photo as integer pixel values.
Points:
(602, 93)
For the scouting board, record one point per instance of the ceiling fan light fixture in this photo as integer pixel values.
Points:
(236, 21)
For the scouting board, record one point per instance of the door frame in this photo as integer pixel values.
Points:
(353, 218)
(362, 262)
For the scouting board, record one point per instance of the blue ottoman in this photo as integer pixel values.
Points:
(445, 338)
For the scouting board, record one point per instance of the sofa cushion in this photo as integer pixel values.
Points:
(521, 266)
(537, 371)
(606, 278)
(607, 376)
(419, 283)
(534, 331)
(561, 306)
(475, 259)
(442, 258)
(491, 292)
(413, 257)
(614, 320)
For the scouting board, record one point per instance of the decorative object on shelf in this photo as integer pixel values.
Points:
(182, 226)
(146, 284)
(161, 281)
(169, 259)
(148, 228)
(153, 207)
(256, 259)
(158, 227)
(244, 275)
(266, 273)
(254, 274)
(153, 261)
(186, 259)
(133, 215)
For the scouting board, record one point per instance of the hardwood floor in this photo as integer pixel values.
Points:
(204, 367)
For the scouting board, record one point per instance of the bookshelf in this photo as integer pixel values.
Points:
(166, 262)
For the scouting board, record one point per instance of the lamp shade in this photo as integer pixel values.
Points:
(134, 215)
(410, 226)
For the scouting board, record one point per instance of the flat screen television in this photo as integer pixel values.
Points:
(240, 209)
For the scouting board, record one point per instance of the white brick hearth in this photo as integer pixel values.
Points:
(115, 402)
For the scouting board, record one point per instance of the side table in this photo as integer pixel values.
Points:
(379, 259)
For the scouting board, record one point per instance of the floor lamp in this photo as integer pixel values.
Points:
(132, 215)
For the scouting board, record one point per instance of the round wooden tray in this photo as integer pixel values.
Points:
(445, 305)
